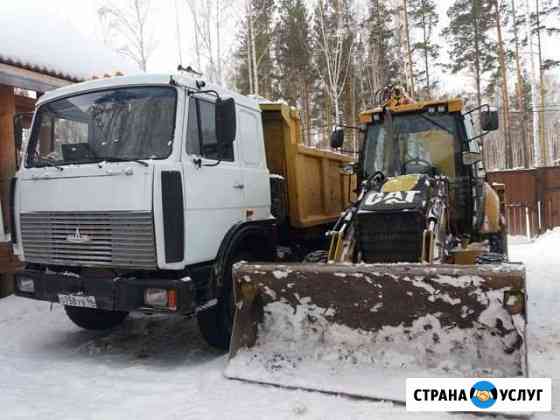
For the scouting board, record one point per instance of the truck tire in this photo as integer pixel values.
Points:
(216, 323)
(94, 319)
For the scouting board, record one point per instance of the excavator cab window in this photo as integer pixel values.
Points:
(419, 143)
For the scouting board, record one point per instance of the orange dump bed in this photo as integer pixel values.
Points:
(317, 192)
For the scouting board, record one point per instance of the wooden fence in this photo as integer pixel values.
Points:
(532, 199)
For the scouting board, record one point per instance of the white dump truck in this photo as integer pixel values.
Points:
(140, 192)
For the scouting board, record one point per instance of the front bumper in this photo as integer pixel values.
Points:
(112, 294)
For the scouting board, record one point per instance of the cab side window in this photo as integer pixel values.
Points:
(251, 148)
(201, 132)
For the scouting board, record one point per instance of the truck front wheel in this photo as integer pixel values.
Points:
(94, 319)
(216, 323)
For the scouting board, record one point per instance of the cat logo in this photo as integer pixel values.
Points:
(400, 197)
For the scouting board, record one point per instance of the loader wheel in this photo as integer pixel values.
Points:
(317, 257)
(216, 323)
(94, 319)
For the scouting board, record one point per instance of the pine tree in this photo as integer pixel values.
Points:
(503, 80)
(384, 63)
(294, 67)
(520, 99)
(471, 45)
(351, 92)
(263, 11)
(242, 78)
(405, 42)
(254, 74)
(543, 19)
(539, 24)
(424, 17)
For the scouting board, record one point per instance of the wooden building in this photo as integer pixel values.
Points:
(36, 56)
(19, 84)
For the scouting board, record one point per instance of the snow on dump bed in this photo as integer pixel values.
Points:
(33, 35)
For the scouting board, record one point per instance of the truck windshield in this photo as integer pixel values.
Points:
(111, 125)
(421, 143)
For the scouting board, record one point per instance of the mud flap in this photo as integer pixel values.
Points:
(361, 330)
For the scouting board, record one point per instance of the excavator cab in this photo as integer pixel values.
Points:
(424, 138)
(416, 143)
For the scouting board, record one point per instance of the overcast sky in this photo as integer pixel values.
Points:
(82, 14)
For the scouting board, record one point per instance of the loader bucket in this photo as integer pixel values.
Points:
(361, 330)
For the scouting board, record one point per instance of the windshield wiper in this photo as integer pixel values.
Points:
(437, 124)
(117, 159)
(45, 162)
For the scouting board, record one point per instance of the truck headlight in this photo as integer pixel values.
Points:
(26, 284)
(161, 298)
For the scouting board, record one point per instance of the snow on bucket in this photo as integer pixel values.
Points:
(363, 329)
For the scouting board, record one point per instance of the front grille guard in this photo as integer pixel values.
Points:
(91, 239)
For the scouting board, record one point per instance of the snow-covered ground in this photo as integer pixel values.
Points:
(158, 367)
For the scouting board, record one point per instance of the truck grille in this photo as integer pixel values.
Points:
(109, 239)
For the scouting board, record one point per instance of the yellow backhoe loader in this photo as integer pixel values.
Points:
(416, 282)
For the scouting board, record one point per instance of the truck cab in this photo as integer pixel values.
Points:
(139, 193)
(127, 196)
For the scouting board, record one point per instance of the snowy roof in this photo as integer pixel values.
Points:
(38, 40)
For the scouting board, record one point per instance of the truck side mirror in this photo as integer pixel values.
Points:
(226, 122)
(489, 120)
(337, 138)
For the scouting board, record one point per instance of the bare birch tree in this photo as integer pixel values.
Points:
(409, 64)
(521, 104)
(131, 24)
(253, 49)
(504, 86)
(208, 18)
(337, 52)
(258, 21)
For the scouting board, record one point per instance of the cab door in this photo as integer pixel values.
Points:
(256, 177)
(213, 184)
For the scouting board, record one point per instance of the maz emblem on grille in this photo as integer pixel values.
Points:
(78, 238)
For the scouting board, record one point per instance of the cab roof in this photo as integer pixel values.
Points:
(453, 105)
(165, 79)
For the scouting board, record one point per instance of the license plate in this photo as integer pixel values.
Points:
(81, 301)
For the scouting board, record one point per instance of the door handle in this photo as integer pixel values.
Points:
(239, 186)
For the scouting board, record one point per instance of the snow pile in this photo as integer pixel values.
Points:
(156, 367)
(36, 37)
(543, 272)
(301, 346)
